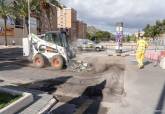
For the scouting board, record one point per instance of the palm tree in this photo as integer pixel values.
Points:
(45, 13)
(5, 12)
(56, 3)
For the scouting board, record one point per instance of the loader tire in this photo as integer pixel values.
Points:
(39, 61)
(97, 49)
(57, 62)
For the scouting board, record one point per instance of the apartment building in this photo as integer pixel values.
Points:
(81, 29)
(67, 18)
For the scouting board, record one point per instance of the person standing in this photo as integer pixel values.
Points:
(140, 51)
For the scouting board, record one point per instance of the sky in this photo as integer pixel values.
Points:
(104, 14)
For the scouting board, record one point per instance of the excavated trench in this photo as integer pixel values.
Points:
(112, 75)
(109, 89)
(107, 81)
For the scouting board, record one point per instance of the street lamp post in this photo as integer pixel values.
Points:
(29, 17)
(29, 38)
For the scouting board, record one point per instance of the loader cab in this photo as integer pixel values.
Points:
(58, 38)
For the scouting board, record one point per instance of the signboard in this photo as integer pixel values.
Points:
(119, 32)
(119, 29)
(119, 36)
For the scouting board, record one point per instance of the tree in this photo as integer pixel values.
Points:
(103, 35)
(147, 30)
(89, 35)
(133, 38)
(21, 11)
(5, 12)
(99, 36)
(47, 13)
(55, 2)
(155, 30)
(127, 39)
(151, 31)
(21, 8)
(163, 26)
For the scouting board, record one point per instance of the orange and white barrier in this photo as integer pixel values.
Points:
(162, 54)
(159, 57)
(162, 63)
(152, 55)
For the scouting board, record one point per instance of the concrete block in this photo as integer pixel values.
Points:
(49, 105)
(162, 63)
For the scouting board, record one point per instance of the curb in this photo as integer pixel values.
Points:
(19, 61)
(50, 104)
(9, 59)
(122, 55)
(16, 106)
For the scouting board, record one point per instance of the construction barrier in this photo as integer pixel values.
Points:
(152, 55)
(162, 63)
(156, 56)
(162, 54)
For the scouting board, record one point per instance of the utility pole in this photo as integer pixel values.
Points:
(29, 18)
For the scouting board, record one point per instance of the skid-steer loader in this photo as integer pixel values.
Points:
(51, 48)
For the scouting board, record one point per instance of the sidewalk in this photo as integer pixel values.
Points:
(9, 46)
(145, 91)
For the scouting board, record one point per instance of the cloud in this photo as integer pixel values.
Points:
(105, 13)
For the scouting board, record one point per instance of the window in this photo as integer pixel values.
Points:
(18, 23)
(64, 40)
(56, 39)
(48, 38)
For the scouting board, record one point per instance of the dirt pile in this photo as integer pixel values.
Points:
(102, 65)
(112, 71)
(104, 68)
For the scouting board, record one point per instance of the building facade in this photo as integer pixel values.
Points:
(16, 30)
(138, 34)
(81, 29)
(67, 18)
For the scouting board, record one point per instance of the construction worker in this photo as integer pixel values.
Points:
(140, 51)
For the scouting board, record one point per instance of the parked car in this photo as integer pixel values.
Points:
(86, 44)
